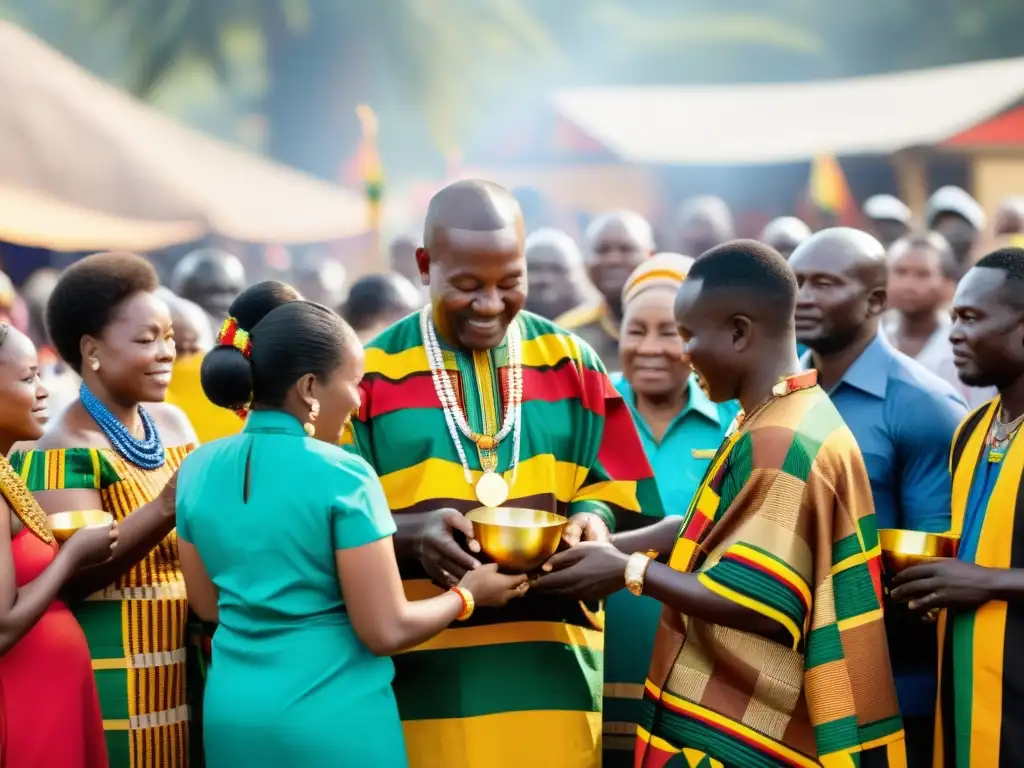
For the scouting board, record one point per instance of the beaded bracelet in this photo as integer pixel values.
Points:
(467, 603)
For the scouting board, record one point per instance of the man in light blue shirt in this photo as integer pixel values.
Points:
(903, 418)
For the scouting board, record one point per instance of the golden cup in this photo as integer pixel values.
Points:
(64, 524)
(902, 549)
(517, 539)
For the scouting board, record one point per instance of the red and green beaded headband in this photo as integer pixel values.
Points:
(231, 335)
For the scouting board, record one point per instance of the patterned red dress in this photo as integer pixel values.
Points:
(49, 710)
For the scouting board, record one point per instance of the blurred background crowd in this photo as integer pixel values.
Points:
(231, 141)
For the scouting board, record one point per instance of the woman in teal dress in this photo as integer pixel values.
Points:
(285, 541)
(680, 428)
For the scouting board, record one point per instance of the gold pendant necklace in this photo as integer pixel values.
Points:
(491, 489)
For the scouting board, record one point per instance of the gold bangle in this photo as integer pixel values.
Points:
(467, 603)
(636, 570)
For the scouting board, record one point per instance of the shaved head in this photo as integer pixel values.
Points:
(556, 279)
(842, 275)
(1010, 216)
(617, 243)
(784, 234)
(702, 223)
(635, 226)
(847, 249)
(472, 259)
(473, 205)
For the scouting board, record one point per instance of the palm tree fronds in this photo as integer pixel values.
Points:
(704, 29)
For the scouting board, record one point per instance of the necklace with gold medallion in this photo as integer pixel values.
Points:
(492, 489)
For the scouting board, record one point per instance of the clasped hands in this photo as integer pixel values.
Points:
(570, 572)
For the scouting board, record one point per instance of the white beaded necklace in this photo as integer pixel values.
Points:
(486, 489)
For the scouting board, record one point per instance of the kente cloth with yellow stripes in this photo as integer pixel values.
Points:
(980, 713)
(135, 627)
(783, 524)
(595, 324)
(520, 685)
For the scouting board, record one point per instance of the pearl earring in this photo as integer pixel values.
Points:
(94, 363)
(314, 412)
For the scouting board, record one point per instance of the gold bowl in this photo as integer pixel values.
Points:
(517, 539)
(902, 549)
(64, 524)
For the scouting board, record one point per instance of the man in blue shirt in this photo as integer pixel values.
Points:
(903, 418)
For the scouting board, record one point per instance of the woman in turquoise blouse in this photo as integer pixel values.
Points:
(680, 428)
(285, 541)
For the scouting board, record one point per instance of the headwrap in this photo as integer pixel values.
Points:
(664, 270)
(231, 335)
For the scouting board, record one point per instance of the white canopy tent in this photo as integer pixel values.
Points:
(75, 140)
(770, 123)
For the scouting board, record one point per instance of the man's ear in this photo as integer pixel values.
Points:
(423, 263)
(742, 332)
(878, 301)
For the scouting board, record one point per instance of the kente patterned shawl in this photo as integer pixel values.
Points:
(784, 525)
(980, 717)
(523, 681)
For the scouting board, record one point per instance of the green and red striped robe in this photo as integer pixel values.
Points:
(524, 681)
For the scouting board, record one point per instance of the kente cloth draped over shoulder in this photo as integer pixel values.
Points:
(980, 716)
(782, 524)
(135, 627)
(519, 685)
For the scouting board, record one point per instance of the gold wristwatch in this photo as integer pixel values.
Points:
(636, 569)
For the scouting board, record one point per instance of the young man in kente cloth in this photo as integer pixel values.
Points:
(471, 403)
(771, 649)
(980, 713)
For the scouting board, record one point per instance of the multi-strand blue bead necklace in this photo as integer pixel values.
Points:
(147, 453)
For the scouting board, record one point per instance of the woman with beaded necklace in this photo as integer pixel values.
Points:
(108, 451)
(49, 711)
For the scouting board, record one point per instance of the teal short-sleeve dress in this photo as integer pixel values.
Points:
(290, 683)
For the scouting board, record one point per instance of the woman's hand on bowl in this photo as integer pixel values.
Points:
(92, 545)
(492, 589)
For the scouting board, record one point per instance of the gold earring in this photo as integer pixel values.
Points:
(94, 363)
(314, 412)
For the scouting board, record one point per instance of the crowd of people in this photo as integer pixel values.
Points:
(289, 575)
